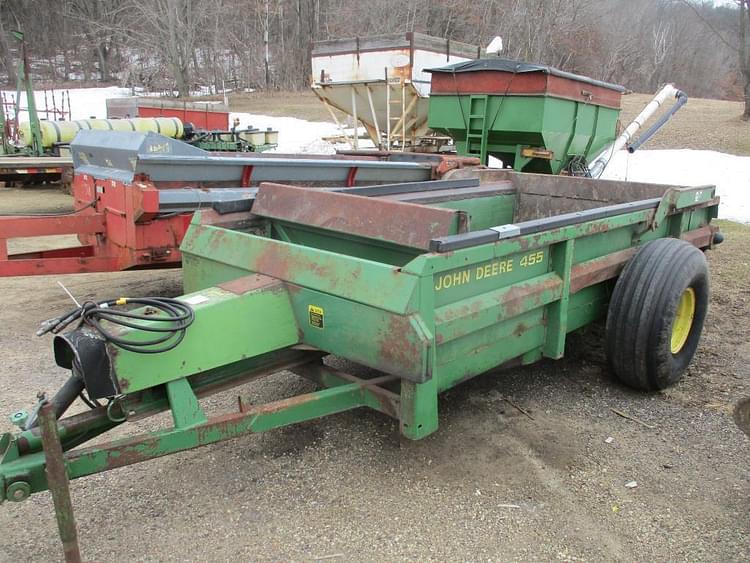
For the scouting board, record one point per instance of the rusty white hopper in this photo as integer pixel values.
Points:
(381, 82)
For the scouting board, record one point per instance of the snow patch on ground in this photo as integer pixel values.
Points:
(84, 102)
(729, 173)
(295, 135)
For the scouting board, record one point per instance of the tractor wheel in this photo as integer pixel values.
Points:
(656, 314)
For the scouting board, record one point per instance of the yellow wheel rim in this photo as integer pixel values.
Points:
(683, 320)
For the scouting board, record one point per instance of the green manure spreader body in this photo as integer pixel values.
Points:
(428, 284)
(532, 117)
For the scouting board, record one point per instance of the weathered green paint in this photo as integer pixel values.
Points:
(5, 148)
(433, 320)
(462, 317)
(419, 409)
(475, 277)
(351, 278)
(484, 212)
(23, 83)
(588, 305)
(186, 410)
(395, 343)
(226, 330)
(557, 312)
(430, 263)
(273, 415)
(510, 123)
(359, 247)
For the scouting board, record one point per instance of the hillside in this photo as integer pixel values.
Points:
(702, 124)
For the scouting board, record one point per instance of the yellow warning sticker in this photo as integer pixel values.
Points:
(316, 316)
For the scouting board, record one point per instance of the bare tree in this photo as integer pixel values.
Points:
(177, 44)
(744, 52)
(5, 58)
(171, 28)
(741, 46)
(101, 22)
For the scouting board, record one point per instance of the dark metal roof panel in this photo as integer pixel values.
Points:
(517, 67)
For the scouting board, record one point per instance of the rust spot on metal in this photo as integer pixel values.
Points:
(701, 237)
(398, 354)
(274, 263)
(293, 289)
(522, 297)
(250, 283)
(122, 452)
(57, 481)
(134, 451)
(598, 270)
(529, 83)
(402, 223)
(23, 444)
(449, 162)
(520, 329)
(217, 241)
(284, 404)
(609, 266)
(388, 401)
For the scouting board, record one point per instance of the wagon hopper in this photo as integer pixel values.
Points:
(537, 118)
(381, 82)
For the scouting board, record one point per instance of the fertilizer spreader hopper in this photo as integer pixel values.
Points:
(429, 284)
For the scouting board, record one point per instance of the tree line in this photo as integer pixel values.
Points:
(208, 45)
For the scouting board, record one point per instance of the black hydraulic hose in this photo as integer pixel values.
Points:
(165, 320)
(61, 401)
(66, 395)
(681, 101)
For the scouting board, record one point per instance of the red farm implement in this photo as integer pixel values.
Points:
(135, 195)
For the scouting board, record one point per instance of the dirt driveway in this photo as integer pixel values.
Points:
(493, 484)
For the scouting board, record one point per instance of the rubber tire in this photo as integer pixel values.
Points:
(643, 308)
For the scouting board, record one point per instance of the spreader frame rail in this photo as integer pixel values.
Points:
(24, 456)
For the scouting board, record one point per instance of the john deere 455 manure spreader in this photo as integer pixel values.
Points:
(429, 283)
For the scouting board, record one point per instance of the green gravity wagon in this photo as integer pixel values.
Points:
(533, 117)
(427, 283)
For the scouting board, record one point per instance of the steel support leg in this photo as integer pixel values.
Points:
(419, 412)
(57, 480)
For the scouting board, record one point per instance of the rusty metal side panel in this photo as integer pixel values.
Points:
(393, 343)
(398, 222)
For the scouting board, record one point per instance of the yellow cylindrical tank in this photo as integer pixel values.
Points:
(254, 136)
(65, 131)
(272, 137)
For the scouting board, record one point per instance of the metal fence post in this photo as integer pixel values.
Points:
(57, 480)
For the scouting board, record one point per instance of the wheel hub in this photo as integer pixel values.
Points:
(683, 320)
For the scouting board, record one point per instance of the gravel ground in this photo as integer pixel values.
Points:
(493, 484)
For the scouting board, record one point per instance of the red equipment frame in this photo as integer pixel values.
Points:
(121, 227)
(117, 224)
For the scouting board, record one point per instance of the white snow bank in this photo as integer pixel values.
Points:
(84, 102)
(295, 135)
(729, 173)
